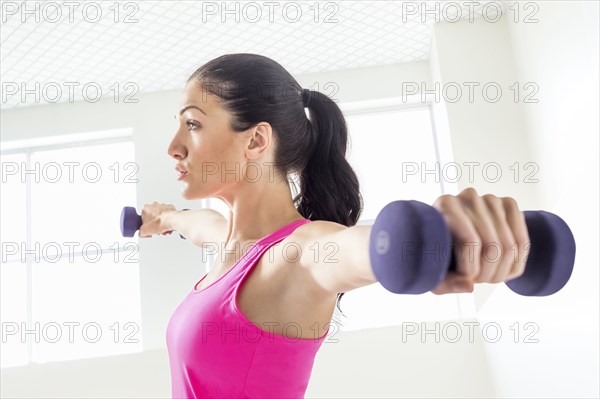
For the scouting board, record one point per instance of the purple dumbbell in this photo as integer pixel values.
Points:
(131, 221)
(411, 250)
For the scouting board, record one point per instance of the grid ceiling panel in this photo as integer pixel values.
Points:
(52, 46)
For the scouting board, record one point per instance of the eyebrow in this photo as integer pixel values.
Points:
(191, 106)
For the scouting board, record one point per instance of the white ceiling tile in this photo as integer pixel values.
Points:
(171, 40)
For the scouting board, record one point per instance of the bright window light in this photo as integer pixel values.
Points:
(388, 151)
(70, 281)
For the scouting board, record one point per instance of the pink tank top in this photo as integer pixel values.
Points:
(216, 352)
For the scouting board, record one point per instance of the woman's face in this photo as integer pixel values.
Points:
(209, 156)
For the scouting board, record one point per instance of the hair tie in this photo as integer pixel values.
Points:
(305, 96)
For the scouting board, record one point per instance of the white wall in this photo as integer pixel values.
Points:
(560, 54)
(560, 134)
(482, 130)
(138, 375)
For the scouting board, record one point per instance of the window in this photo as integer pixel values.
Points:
(70, 281)
(393, 150)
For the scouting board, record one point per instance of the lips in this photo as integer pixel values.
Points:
(182, 172)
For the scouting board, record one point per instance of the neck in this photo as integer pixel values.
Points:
(258, 209)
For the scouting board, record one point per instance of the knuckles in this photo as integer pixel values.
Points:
(510, 204)
(512, 245)
(469, 196)
(445, 202)
(468, 193)
(492, 201)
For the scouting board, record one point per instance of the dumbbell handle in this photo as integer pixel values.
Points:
(131, 221)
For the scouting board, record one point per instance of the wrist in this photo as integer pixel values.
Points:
(166, 219)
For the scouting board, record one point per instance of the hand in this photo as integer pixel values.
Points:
(490, 239)
(153, 219)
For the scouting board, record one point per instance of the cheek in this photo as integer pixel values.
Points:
(197, 154)
(205, 172)
(214, 162)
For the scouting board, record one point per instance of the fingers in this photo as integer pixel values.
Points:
(465, 237)
(152, 221)
(516, 220)
(146, 211)
(490, 238)
(454, 283)
(503, 251)
(487, 236)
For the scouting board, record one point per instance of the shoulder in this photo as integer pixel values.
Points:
(304, 237)
(299, 254)
(309, 240)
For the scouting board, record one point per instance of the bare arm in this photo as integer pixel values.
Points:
(200, 227)
(337, 257)
(470, 218)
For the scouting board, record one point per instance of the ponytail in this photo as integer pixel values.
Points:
(329, 188)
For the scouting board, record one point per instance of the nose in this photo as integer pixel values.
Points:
(176, 149)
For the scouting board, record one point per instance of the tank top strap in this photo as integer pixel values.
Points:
(262, 245)
(282, 233)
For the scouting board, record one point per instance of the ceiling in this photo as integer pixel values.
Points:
(52, 51)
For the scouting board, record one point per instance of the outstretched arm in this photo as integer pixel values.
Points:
(337, 257)
(200, 226)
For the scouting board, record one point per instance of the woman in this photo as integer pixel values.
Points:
(251, 327)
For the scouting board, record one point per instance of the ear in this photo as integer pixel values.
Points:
(259, 141)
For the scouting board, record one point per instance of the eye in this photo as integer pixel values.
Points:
(191, 124)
